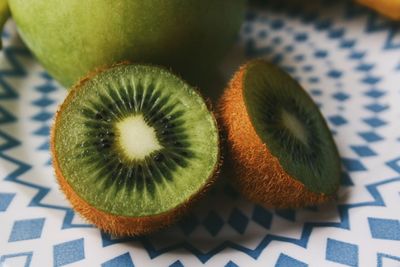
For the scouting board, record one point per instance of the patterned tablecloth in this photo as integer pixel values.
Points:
(346, 57)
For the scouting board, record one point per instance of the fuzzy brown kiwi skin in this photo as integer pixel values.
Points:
(259, 175)
(114, 224)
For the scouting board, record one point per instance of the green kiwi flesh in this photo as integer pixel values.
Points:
(177, 140)
(288, 121)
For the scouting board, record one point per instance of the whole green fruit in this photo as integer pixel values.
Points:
(72, 37)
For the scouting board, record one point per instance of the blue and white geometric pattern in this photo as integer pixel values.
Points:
(346, 57)
(122, 260)
(385, 228)
(26, 229)
(68, 252)
(5, 200)
(342, 252)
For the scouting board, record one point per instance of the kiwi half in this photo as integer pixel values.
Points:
(133, 146)
(284, 153)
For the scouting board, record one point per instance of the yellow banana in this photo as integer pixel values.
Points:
(389, 8)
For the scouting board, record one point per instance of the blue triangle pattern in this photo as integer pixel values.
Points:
(346, 180)
(353, 165)
(43, 116)
(27, 255)
(357, 55)
(43, 102)
(363, 151)
(177, 264)
(365, 67)
(342, 252)
(375, 93)
(213, 223)
(231, 264)
(6, 117)
(123, 260)
(287, 214)
(382, 228)
(394, 259)
(336, 33)
(394, 164)
(46, 88)
(376, 107)
(5, 200)
(238, 221)
(43, 131)
(391, 42)
(287, 261)
(68, 252)
(347, 43)
(27, 229)
(262, 216)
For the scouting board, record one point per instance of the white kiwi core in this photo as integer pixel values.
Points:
(136, 138)
(295, 126)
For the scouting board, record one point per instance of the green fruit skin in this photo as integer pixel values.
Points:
(72, 37)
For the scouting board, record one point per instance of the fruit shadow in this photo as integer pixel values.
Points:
(223, 219)
(212, 83)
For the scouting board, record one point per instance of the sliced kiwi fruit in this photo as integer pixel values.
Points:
(284, 153)
(133, 146)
